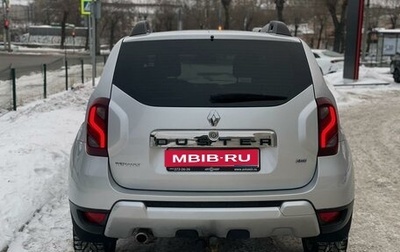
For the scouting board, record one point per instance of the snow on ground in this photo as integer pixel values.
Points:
(35, 144)
(20, 2)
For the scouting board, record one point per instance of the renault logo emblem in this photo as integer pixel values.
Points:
(213, 118)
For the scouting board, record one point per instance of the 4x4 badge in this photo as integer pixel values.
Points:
(213, 118)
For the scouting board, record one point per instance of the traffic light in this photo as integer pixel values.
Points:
(73, 34)
(6, 24)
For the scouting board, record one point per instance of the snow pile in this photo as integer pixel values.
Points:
(34, 146)
(371, 80)
(367, 75)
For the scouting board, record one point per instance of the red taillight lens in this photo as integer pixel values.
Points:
(96, 218)
(329, 217)
(328, 128)
(97, 122)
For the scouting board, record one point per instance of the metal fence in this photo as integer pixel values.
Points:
(19, 86)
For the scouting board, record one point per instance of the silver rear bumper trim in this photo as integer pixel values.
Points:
(296, 218)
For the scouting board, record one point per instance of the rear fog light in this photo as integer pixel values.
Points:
(95, 217)
(329, 217)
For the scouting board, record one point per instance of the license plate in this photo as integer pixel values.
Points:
(231, 160)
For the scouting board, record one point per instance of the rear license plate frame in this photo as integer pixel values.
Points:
(212, 160)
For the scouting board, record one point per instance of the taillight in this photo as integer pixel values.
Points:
(327, 127)
(97, 124)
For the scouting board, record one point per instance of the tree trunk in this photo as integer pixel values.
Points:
(393, 21)
(279, 4)
(338, 39)
(87, 37)
(226, 23)
(321, 29)
(248, 23)
(342, 27)
(296, 25)
(338, 45)
(63, 33)
(112, 31)
(225, 5)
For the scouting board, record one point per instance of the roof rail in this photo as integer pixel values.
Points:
(141, 28)
(276, 27)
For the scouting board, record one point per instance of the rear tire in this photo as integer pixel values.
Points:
(85, 246)
(310, 245)
(396, 75)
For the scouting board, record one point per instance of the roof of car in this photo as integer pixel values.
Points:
(210, 34)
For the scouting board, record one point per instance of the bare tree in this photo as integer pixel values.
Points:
(59, 12)
(335, 8)
(245, 12)
(193, 16)
(117, 21)
(320, 21)
(165, 17)
(393, 8)
(298, 12)
(203, 14)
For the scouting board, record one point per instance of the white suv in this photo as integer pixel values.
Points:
(229, 134)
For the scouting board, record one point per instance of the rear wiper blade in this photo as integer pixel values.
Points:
(243, 97)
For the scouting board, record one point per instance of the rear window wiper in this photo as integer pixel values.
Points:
(243, 97)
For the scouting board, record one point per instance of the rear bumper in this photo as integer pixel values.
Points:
(295, 218)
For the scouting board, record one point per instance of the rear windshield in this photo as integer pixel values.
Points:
(205, 73)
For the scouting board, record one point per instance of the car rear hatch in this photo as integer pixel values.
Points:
(222, 115)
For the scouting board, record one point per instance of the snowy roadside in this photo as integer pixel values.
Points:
(35, 144)
(30, 88)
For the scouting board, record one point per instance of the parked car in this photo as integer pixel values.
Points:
(395, 67)
(328, 61)
(226, 134)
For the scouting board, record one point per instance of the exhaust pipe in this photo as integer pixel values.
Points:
(143, 236)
